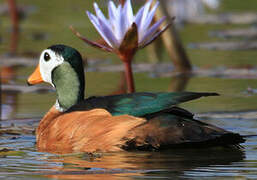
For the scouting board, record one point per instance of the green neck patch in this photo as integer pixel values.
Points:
(70, 89)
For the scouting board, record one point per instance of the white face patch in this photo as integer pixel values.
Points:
(47, 62)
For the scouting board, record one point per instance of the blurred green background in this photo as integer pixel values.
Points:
(54, 18)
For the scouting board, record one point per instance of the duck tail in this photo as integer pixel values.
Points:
(228, 140)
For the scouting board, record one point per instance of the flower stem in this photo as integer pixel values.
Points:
(129, 77)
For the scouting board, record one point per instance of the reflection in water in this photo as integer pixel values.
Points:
(122, 86)
(179, 82)
(8, 104)
(9, 99)
(158, 164)
(7, 74)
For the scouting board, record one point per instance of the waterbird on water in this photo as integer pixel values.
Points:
(136, 121)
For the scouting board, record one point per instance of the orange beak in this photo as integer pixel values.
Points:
(35, 77)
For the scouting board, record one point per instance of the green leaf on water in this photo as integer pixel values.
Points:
(10, 152)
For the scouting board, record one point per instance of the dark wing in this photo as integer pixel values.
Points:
(167, 130)
(137, 104)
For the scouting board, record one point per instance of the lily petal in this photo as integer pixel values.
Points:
(95, 21)
(108, 35)
(128, 12)
(150, 16)
(99, 13)
(104, 21)
(112, 10)
(114, 19)
(144, 16)
(138, 17)
(94, 44)
(155, 36)
(123, 24)
(117, 27)
(151, 31)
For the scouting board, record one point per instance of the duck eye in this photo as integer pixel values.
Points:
(46, 56)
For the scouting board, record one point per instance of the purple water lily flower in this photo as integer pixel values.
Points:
(124, 32)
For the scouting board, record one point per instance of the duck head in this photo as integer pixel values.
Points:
(62, 67)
